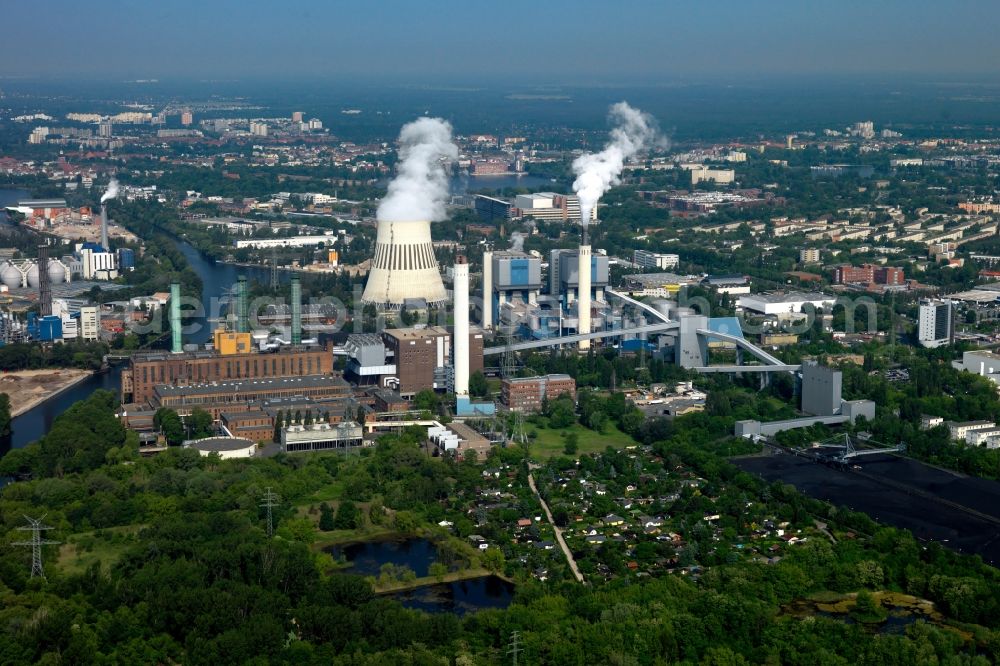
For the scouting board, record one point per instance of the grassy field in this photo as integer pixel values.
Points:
(83, 550)
(550, 442)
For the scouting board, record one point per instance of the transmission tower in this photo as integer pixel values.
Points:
(515, 646)
(36, 528)
(270, 501)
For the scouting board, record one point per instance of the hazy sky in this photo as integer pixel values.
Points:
(467, 40)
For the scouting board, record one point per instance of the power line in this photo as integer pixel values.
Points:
(270, 501)
(36, 528)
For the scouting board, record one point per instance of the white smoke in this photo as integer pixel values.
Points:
(634, 130)
(420, 189)
(111, 192)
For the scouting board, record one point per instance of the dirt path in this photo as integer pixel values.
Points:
(559, 536)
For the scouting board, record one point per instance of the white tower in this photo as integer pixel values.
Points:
(404, 266)
(487, 290)
(461, 334)
(583, 290)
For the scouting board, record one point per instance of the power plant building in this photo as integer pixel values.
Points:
(151, 369)
(514, 277)
(423, 357)
(564, 275)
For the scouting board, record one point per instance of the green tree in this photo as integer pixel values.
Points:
(200, 423)
(170, 425)
(279, 422)
(347, 516)
(5, 418)
(478, 386)
(326, 520)
(572, 444)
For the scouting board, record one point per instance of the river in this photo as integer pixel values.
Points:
(216, 279)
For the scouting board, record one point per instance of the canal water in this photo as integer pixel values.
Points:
(217, 280)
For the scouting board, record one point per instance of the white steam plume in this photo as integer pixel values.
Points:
(634, 130)
(111, 192)
(420, 189)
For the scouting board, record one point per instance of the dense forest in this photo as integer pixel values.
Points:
(182, 570)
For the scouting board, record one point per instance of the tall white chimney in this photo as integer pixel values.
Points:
(104, 228)
(461, 333)
(487, 290)
(583, 290)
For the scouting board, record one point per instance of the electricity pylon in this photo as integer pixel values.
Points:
(36, 528)
(270, 501)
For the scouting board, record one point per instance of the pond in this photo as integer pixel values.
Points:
(367, 557)
(460, 597)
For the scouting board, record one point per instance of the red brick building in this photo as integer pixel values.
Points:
(526, 394)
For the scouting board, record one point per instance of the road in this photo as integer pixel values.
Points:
(559, 537)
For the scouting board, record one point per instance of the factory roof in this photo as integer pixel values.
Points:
(791, 297)
(211, 353)
(658, 279)
(306, 382)
(416, 333)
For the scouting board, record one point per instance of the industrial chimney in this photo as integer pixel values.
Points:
(461, 332)
(242, 310)
(404, 266)
(296, 311)
(104, 228)
(177, 343)
(44, 281)
(583, 290)
(487, 290)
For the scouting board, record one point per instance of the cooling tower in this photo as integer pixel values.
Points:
(404, 266)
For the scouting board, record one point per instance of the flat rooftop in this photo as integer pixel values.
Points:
(237, 386)
(220, 444)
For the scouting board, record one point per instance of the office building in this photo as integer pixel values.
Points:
(809, 255)
(647, 259)
(490, 209)
(526, 394)
(186, 118)
(90, 323)
(550, 206)
(936, 323)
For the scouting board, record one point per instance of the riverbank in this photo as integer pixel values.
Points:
(29, 388)
(450, 577)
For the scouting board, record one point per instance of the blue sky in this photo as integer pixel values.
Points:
(450, 40)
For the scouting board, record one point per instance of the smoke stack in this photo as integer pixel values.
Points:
(104, 227)
(242, 310)
(583, 290)
(461, 333)
(487, 290)
(44, 281)
(296, 311)
(177, 343)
